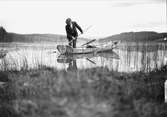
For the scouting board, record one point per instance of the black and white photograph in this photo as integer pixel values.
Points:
(83, 58)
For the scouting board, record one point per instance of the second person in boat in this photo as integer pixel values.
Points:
(71, 30)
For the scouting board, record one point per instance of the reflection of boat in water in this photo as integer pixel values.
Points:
(66, 49)
(63, 58)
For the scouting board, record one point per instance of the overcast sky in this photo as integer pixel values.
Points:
(107, 17)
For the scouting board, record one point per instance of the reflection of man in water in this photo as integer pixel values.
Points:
(72, 66)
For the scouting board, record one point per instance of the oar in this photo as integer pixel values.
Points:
(90, 61)
(89, 42)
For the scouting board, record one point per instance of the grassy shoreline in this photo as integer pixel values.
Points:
(95, 92)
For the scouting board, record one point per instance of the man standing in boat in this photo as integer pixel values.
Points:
(71, 30)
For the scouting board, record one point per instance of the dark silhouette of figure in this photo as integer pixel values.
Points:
(72, 66)
(71, 30)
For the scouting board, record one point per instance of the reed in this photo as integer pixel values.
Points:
(95, 92)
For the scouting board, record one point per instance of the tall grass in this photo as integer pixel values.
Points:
(20, 61)
(43, 91)
(95, 92)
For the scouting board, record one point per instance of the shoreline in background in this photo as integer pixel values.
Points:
(125, 36)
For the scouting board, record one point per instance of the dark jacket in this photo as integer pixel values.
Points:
(72, 32)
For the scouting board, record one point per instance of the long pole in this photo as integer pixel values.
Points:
(89, 42)
(81, 33)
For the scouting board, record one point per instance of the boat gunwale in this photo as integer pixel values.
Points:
(84, 50)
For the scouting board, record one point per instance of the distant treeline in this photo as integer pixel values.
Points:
(3, 33)
(128, 36)
(136, 36)
(13, 37)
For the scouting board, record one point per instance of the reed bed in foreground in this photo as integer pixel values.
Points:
(95, 92)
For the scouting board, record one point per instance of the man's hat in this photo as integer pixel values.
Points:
(68, 20)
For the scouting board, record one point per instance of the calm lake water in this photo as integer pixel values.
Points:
(128, 57)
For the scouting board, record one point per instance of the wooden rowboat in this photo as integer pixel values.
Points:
(65, 49)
